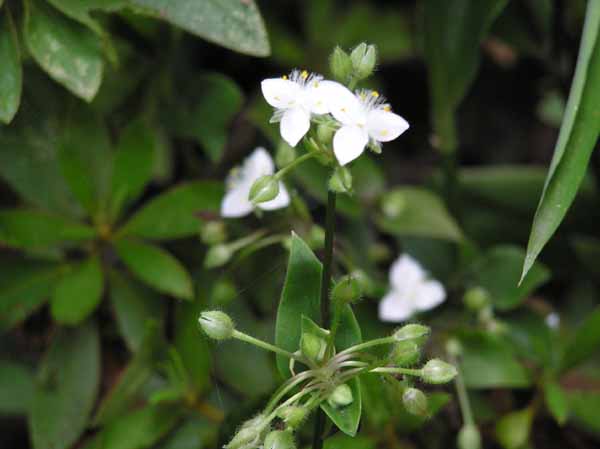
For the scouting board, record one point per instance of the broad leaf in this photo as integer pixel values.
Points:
(576, 141)
(68, 383)
(556, 401)
(78, 292)
(156, 267)
(512, 430)
(80, 10)
(174, 214)
(584, 343)
(231, 23)
(11, 73)
(66, 50)
(584, 406)
(16, 388)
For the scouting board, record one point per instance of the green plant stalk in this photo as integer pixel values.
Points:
(264, 345)
(445, 130)
(395, 370)
(281, 173)
(463, 398)
(368, 344)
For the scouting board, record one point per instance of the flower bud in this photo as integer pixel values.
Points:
(476, 298)
(285, 155)
(223, 292)
(216, 324)
(346, 291)
(454, 347)
(412, 331)
(316, 237)
(405, 353)
(469, 437)
(325, 133)
(279, 439)
(437, 371)
(393, 204)
(264, 189)
(313, 347)
(340, 65)
(415, 402)
(249, 436)
(213, 232)
(341, 180)
(364, 58)
(341, 396)
(217, 255)
(293, 415)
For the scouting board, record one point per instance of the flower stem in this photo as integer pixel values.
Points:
(368, 344)
(264, 345)
(281, 173)
(461, 391)
(395, 370)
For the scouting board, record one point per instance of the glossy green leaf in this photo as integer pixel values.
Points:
(16, 388)
(556, 401)
(11, 73)
(135, 306)
(156, 267)
(78, 292)
(233, 24)
(584, 343)
(66, 391)
(498, 271)
(174, 214)
(413, 211)
(576, 141)
(23, 228)
(66, 50)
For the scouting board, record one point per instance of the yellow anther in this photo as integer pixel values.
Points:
(387, 108)
(304, 74)
(316, 84)
(343, 109)
(284, 77)
(375, 94)
(384, 132)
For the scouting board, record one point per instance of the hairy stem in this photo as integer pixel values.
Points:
(395, 370)
(264, 345)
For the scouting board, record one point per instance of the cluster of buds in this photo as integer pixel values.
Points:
(326, 374)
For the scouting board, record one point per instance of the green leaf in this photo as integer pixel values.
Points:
(173, 214)
(488, 362)
(67, 51)
(24, 228)
(584, 343)
(556, 401)
(156, 267)
(67, 386)
(133, 166)
(233, 24)
(498, 272)
(11, 74)
(206, 111)
(347, 418)
(576, 141)
(16, 388)
(413, 211)
(80, 10)
(512, 430)
(135, 306)
(194, 433)
(300, 296)
(78, 292)
(584, 406)
(348, 442)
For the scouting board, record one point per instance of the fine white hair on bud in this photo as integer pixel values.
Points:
(216, 324)
(437, 371)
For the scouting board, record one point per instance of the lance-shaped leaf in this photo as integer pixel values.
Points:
(11, 73)
(576, 141)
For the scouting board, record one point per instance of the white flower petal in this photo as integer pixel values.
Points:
(406, 273)
(281, 93)
(428, 295)
(236, 203)
(281, 200)
(384, 126)
(395, 307)
(315, 97)
(258, 164)
(349, 143)
(343, 104)
(295, 123)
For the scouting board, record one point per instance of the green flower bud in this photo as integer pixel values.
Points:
(285, 155)
(341, 180)
(393, 204)
(279, 439)
(223, 292)
(469, 437)
(415, 402)
(316, 237)
(340, 65)
(216, 324)
(476, 298)
(217, 255)
(412, 331)
(454, 347)
(213, 232)
(405, 353)
(437, 371)
(346, 290)
(364, 281)
(364, 58)
(264, 189)
(250, 434)
(341, 396)
(313, 347)
(293, 415)
(325, 133)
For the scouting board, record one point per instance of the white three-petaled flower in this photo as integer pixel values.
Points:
(411, 291)
(295, 99)
(363, 117)
(236, 202)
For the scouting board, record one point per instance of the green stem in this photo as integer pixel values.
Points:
(281, 173)
(368, 344)
(264, 345)
(463, 398)
(395, 370)
(286, 388)
(245, 241)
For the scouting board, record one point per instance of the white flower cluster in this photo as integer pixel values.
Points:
(362, 118)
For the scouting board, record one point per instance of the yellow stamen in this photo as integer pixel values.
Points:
(387, 108)
(284, 77)
(375, 94)
(304, 74)
(384, 132)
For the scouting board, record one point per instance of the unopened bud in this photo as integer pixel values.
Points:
(364, 58)
(415, 402)
(405, 353)
(249, 435)
(293, 415)
(279, 439)
(216, 324)
(341, 180)
(437, 371)
(469, 437)
(316, 237)
(264, 189)
(325, 133)
(454, 347)
(285, 155)
(341, 396)
(217, 256)
(476, 298)
(340, 64)
(346, 291)
(313, 347)
(223, 292)
(393, 204)
(213, 232)
(412, 331)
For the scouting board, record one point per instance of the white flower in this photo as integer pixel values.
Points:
(553, 320)
(295, 99)
(236, 202)
(411, 291)
(363, 117)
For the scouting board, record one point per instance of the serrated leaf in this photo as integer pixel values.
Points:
(233, 24)
(67, 386)
(11, 76)
(16, 388)
(576, 141)
(156, 267)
